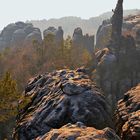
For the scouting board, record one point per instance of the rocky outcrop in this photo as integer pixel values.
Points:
(116, 74)
(77, 38)
(128, 115)
(17, 33)
(57, 33)
(116, 21)
(89, 43)
(116, 69)
(79, 132)
(59, 98)
(130, 26)
(82, 41)
(103, 35)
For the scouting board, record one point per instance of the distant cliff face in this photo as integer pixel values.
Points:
(18, 34)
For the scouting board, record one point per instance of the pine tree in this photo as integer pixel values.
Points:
(8, 97)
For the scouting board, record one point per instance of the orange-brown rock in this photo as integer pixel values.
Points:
(128, 115)
(79, 132)
(58, 98)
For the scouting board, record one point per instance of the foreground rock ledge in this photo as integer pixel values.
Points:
(59, 98)
(128, 115)
(79, 132)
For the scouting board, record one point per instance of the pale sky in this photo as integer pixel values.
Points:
(22, 10)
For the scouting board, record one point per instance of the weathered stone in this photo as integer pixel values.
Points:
(79, 132)
(127, 115)
(59, 98)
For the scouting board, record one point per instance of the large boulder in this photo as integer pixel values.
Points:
(79, 132)
(59, 98)
(127, 115)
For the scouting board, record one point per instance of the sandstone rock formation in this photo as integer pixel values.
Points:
(79, 132)
(117, 20)
(128, 115)
(103, 34)
(59, 98)
(58, 35)
(16, 34)
(117, 67)
(116, 74)
(130, 26)
(82, 41)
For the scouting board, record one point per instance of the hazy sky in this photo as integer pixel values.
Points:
(22, 10)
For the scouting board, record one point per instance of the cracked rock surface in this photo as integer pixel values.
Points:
(58, 98)
(79, 132)
(128, 115)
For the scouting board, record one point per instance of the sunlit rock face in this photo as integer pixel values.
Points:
(62, 97)
(83, 41)
(16, 34)
(127, 115)
(79, 132)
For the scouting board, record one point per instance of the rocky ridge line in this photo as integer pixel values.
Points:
(62, 97)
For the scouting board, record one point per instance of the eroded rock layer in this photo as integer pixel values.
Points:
(128, 115)
(79, 132)
(59, 98)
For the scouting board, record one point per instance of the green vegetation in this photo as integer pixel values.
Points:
(8, 97)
